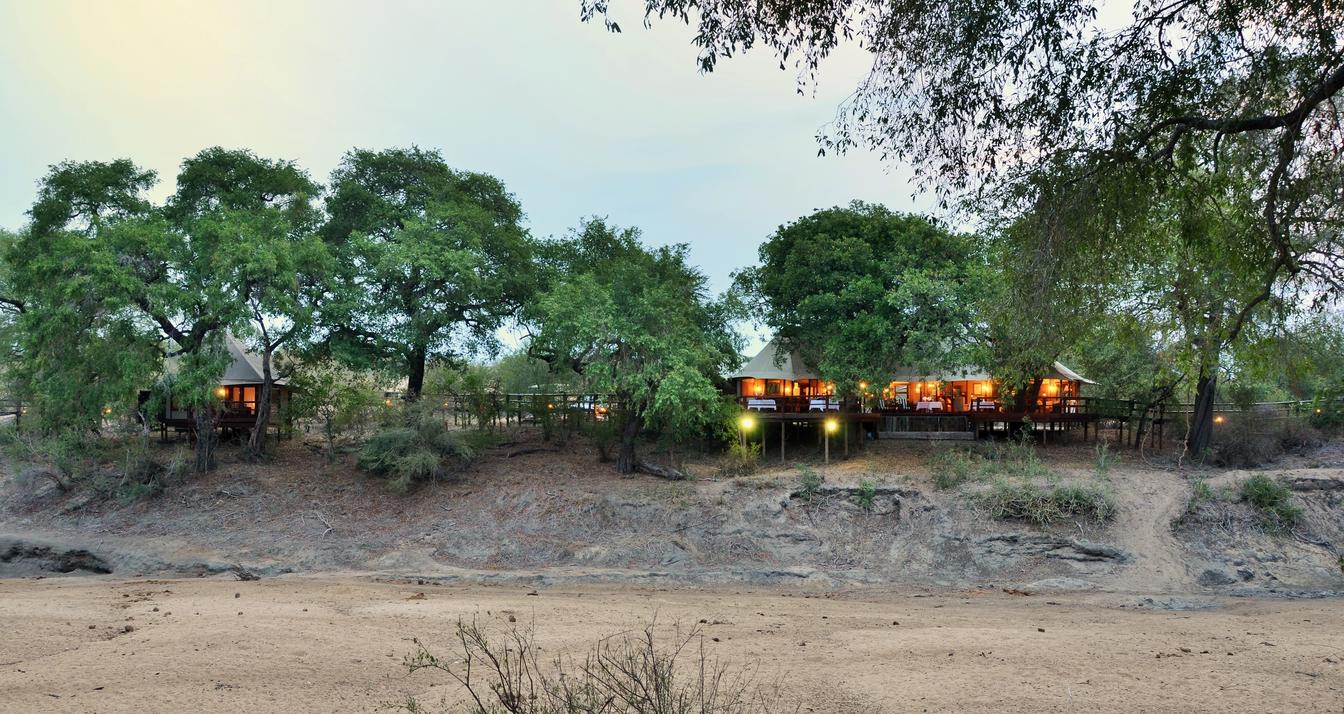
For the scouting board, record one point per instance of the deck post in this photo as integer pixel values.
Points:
(846, 438)
(781, 442)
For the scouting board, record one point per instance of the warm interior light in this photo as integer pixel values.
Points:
(221, 392)
(745, 422)
(832, 425)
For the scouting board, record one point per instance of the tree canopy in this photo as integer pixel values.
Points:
(864, 294)
(432, 260)
(637, 323)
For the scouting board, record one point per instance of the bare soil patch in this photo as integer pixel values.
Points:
(321, 644)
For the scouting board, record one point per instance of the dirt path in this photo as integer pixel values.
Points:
(324, 644)
(1147, 503)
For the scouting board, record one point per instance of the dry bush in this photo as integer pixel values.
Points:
(648, 672)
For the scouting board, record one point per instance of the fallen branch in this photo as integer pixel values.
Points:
(325, 522)
(529, 450)
(666, 472)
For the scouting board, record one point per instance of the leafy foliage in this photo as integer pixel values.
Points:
(416, 445)
(636, 323)
(432, 260)
(339, 399)
(1273, 501)
(976, 95)
(809, 483)
(863, 293)
(1044, 505)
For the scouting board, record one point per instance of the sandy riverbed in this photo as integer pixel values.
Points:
(326, 644)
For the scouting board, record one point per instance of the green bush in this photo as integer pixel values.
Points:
(867, 494)
(1013, 459)
(953, 467)
(419, 448)
(809, 483)
(1044, 505)
(741, 460)
(1200, 493)
(1272, 500)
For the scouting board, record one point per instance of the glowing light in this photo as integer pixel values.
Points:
(221, 392)
(387, 402)
(832, 425)
(107, 410)
(863, 386)
(745, 422)
(1218, 419)
(1318, 411)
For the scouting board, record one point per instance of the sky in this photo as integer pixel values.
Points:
(575, 120)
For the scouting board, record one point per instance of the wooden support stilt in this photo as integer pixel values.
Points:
(781, 442)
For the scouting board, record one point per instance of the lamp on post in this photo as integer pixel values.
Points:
(831, 426)
(744, 425)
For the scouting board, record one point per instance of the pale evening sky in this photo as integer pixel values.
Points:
(576, 121)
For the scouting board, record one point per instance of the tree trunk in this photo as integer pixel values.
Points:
(205, 438)
(1025, 399)
(1200, 431)
(626, 461)
(256, 443)
(415, 381)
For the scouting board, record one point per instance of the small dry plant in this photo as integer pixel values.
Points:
(649, 672)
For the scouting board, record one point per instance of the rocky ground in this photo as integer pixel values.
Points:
(557, 516)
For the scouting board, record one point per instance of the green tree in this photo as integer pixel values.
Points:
(339, 398)
(115, 278)
(986, 99)
(637, 323)
(11, 307)
(863, 293)
(431, 260)
(281, 265)
(81, 346)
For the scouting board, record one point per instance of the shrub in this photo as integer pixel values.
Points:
(741, 460)
(1014, 459)
(809, 483)
(417, 449)
(953, 467)
(1043, 505)
(644, 673)
(1272, 500)
(867, 494)
(1200, 493)
(1103, 459)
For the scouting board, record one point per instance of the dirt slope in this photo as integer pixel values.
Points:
(558, 517)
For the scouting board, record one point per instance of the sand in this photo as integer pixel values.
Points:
(335, 643)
